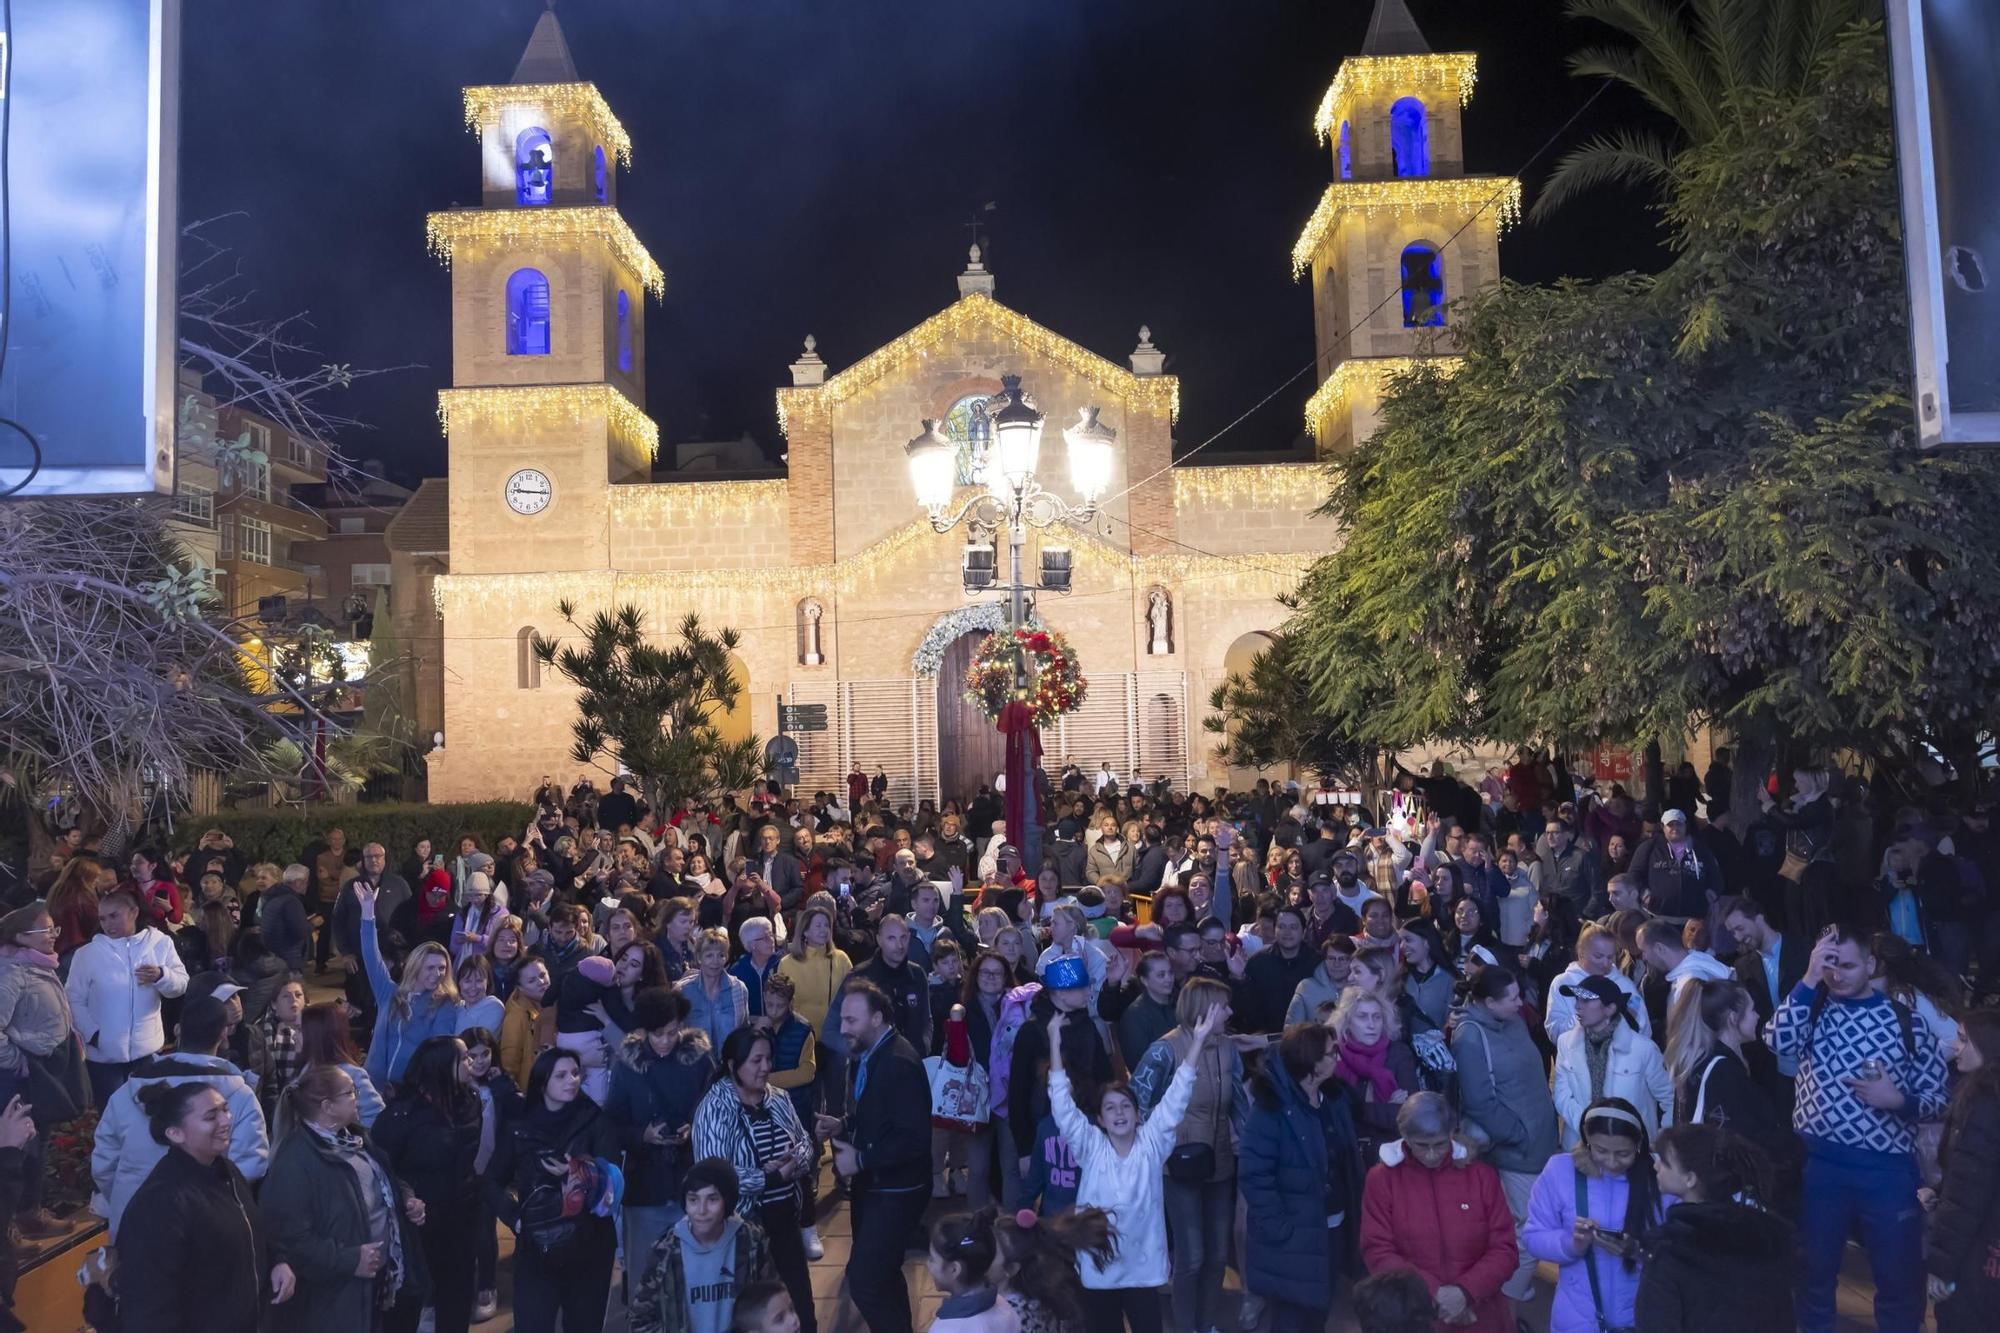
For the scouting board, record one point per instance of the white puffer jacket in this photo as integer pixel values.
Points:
(119, 1019)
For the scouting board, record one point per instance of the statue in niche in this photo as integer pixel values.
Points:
(812, 611)
(1158, 614)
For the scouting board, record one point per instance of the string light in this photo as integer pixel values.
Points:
(488, 103)
(1452, 73)
(1403, 196)
(542, 404)
(1250, 485)
(1375, 371)
(863, 571)
(673, 504)
(514, 228)
(1148, 392)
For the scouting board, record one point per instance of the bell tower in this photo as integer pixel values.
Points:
(1401, 231)
(548, 287)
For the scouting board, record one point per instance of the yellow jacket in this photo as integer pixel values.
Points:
(816, 979)
(520, 1041)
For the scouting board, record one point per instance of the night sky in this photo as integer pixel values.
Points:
(810, 167)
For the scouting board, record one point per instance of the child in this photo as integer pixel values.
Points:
(947, 982)
(499, 1102)
(764, 1307)
(1712, 1242)
(961, 1263)
(1035, 1264)
(695, 1271)
(281, 1053)
(1394, 1302)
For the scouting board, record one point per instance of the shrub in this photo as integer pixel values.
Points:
(279, 835)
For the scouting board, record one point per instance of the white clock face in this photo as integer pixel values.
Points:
(530, 491)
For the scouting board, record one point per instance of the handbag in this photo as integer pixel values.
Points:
(1794, 868)
(1590, 1262)
(960, 1100)
(1191, 1163)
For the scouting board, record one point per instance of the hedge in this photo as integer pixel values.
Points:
(279, 835)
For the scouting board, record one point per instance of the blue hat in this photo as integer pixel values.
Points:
(1066, 973)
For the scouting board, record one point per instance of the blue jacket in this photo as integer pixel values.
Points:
(646, 1089)
(1297, 1165)
(396, 1039)
(746, 972)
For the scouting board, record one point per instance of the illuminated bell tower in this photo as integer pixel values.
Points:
(548, 287)
(1385, 246)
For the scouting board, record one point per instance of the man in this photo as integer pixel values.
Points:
(1151, 870)
(905, 984)
(1270, 978)
(392, 892)
(1350, 894)
(281, 914)
(215, 843)
(1673, 964)
(333, 865)
(1479, 877)
(1719, 782)
(124, 1152)
(1768, 963)
(878, 786)
(617, 809)
(1322, 919)
(778, 868)
(1316, 857)
(1621, 894)
(904, 878)
(857, 787)
(1567, 867)
(1868, 1074)
(1678, 877)
(883, 1151)
(115, 986)
(1106, 779)
(669, 878)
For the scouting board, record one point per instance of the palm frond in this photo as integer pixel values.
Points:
(1626, 157)
(1681, 82)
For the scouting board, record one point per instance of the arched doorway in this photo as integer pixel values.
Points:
(1237, 661)
(733, 724)
(971, 749)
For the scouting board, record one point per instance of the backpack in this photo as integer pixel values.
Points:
(1000, 1058)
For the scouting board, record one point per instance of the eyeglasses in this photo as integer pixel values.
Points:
(40, 930)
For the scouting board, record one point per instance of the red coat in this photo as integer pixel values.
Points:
(1451, 1225)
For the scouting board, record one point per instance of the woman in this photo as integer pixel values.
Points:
(193, 1255)
(1596, 956)
(986, 985)
(510, 950)
(758, 1133)
(1468, 928)
(663, 1068)
(1120, 1167)
(557, 1145)
(34, 1025)
(1508, 1109)
(430, 1137)
(339, 1216)
(1551, 943)
(1591, 1213)
(1720, 1262)
(521, 1035)
(1112, 856)
(1723, 1075)
(1300, 1170)
(472, 930)
(326, 1042)
(718, 1003)
(1965, 1216)
(1432, 1207)
(151, 883)
(1015, 946)
(480, 1008)
(1201, 1168)
(1427, 982)
(1604, 1056)
(206, 945)
(73, 905)
(815, 967)
(1377, 1067)
(424, 1005)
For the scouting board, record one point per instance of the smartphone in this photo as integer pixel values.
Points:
(1224, 835)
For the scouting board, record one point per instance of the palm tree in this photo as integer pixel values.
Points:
(1689, 60)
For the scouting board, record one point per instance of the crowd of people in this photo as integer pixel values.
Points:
(1405, 1058)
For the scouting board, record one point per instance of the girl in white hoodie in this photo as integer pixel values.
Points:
(116, 983)
(1122, 1167)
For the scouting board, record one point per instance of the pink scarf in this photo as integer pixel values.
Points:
(1370, 1062)
(24, 954)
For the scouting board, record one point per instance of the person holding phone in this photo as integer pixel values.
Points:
(1591, 1209)
(661, 1071)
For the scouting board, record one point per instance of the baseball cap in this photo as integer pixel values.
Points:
(1596, 988)
(1319, 877)
(1673, 817)
(1066, 973)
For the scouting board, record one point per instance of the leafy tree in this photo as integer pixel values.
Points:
(1650, 504)
(1269, 716)
(1690, 63)
(655, 708)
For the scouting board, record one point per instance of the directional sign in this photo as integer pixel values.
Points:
(802, 717)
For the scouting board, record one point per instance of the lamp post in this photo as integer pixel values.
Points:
(1013, 499)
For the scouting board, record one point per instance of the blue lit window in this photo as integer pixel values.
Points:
(602, 177)
(527, 313)
(1423, 287)
(534, 166)
(1346, 154)
(1409, 137)
(625, 333)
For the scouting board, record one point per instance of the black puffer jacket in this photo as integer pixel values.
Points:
(191, 1255)
(1716, 1268)
(1965, 1225)
(434, 1156)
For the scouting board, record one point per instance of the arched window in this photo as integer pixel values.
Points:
(969, 429)
(534, 166)
(625, 333)
(1423, 287)
(1409, 138)
(602, 175)
(527, 313)
(527, 666)
(1346, 153)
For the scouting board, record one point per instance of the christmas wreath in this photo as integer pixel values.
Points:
(1056, 682)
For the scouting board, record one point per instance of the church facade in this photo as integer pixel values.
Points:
(842, 593)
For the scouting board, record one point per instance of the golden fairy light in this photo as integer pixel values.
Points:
(541, 404)
(1248, 485)
(489, 104)
(1373, 371)
(461, 229)
(1451, 73)
(1463, 194)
